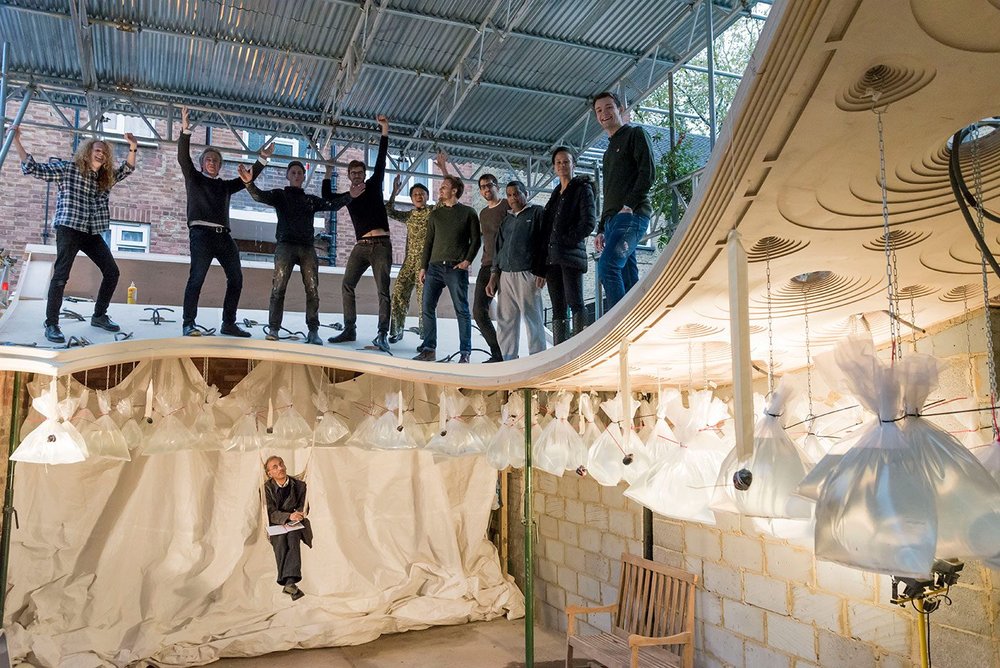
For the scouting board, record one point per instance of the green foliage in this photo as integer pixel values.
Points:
(673, 165)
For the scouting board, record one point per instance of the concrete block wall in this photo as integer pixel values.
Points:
(762, 601)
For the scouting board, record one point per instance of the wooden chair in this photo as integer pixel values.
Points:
(653, 624)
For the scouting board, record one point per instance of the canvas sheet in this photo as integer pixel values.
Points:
(166, 558)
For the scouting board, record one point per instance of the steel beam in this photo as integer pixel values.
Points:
(710, 51)
(3, 93)
(84, 42)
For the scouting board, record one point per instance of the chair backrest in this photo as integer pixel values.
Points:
(654, 600)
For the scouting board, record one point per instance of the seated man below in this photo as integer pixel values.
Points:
(286, 512)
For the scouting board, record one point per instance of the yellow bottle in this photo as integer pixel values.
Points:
(132, 293)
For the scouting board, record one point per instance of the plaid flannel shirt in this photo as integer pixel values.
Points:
(79, 204)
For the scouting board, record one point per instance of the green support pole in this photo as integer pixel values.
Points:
(529, 573)
(647, 534)
(8, 493)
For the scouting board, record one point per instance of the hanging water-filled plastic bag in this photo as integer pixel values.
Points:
(290, 430)
(104, 438)
(481, 425)
(775, 468)
(681, 482)
(329, 428)
(615, 448)
(55, 440)
(396, 429)
(559, 442)
(454, 437)
(506, 448)
(169, 431)
(207, 435)
(245, 434)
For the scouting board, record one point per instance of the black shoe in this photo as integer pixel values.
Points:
(345, 336)
(290, 589)
(381, 342)
(426, 355)
(313, 338)
(494, 358)
(396, 337)
(463, 358)
(191, 330)
(104, 322)
(232, 329)
(54, 334)
(271, 333)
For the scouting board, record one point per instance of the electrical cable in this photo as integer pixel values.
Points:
(954, 176)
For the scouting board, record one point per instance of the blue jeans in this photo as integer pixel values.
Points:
(439, 277)
(617, 267)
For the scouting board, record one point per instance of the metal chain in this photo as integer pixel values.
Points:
(890, 253)
(809, 377)
(770, 326)
(990, 362)
(968, 340)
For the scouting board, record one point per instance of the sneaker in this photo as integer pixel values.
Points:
(313, 338)
(191, 330)
(396, 337)
(463, 358)
(426, 355)
(54, 334)
(104, 322)
(232, 329)
(345, 336)
(271, 333)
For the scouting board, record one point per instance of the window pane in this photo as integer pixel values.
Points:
(132, 235)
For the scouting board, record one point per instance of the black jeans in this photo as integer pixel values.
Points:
(374, 252)
(288, 556)
(565, 290)
(68, 243)
(286, 256)
(208, 243)
(481, 311)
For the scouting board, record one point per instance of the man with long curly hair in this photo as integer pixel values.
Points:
(82, 218)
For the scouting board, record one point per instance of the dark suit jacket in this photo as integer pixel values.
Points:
(278, 513)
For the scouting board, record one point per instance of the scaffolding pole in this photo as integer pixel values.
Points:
(9, 137)
(3, 91)
(710, 49)
(529, 525)
(8, 494)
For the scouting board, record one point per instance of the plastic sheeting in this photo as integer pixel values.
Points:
(165, 558)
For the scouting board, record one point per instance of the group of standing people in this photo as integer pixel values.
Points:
(525, 247)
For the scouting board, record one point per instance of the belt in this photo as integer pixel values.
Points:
(374, 240)
(211, 228)
(447, 263)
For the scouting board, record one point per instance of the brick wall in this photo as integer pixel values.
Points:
(763, 602)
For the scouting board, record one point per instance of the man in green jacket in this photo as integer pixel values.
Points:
(450, 247)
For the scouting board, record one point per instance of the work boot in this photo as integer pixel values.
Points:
(426, 355)
(104, 322)
(54, 334)
(313, 338)
(349, 334)
(381, 342)
(232, 329)
(396, 336)
(579, 322)
(559, 331)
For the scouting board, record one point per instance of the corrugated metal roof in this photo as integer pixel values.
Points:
(522, 85)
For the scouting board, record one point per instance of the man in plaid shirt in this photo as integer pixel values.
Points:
(82, 217)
